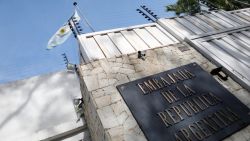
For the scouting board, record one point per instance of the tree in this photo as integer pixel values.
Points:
(184, 6)
(194, 6)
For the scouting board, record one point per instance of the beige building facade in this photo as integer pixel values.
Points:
(115, 61)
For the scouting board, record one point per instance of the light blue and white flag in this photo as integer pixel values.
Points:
(76, 16)
(60, 37)
(62, 33)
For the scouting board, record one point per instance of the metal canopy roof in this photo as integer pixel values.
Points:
(116, 42)
(229, 49)
(186, 26)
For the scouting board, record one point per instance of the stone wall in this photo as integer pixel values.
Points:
(108, 117)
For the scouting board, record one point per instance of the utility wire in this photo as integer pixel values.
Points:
(84, 18)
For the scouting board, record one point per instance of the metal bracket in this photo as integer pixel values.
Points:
(78, 104)
(183, 48)
(142, 55)
(217, 71)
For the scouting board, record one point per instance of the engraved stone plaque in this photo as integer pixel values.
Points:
(184, 104)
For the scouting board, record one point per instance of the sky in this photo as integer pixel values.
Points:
(27, 25)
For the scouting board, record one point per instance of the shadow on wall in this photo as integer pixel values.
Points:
(42, 98)
(17, 111)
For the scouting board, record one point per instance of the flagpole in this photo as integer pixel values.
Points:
(84, 18)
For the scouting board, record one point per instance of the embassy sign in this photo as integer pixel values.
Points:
(184, 104)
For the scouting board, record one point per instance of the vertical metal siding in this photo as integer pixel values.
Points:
(229, 49)
(242, 14)
(116, 42)
(121, 43)
(134, 40)
(91, 48)
(107, 46)
(147, 38)
(186, 26)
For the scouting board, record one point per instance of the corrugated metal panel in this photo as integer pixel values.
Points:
(229, 49)
(200, 23)
(243, 14)
(116, 42)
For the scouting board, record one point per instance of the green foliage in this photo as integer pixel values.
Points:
(224, 4)
(193, 6)
(183, 6)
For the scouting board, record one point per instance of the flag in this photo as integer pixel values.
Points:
(62, 33)
(76, 16)
(59, 37)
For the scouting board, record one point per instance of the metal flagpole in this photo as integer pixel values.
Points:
(84, 18)
(76, 29)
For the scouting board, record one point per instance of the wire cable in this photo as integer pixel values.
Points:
(84, 18)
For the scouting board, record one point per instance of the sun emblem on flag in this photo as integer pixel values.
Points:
(62, 31)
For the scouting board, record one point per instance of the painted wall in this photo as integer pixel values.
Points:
(38, 107)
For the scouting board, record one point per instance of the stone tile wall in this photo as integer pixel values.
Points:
(108, 117)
